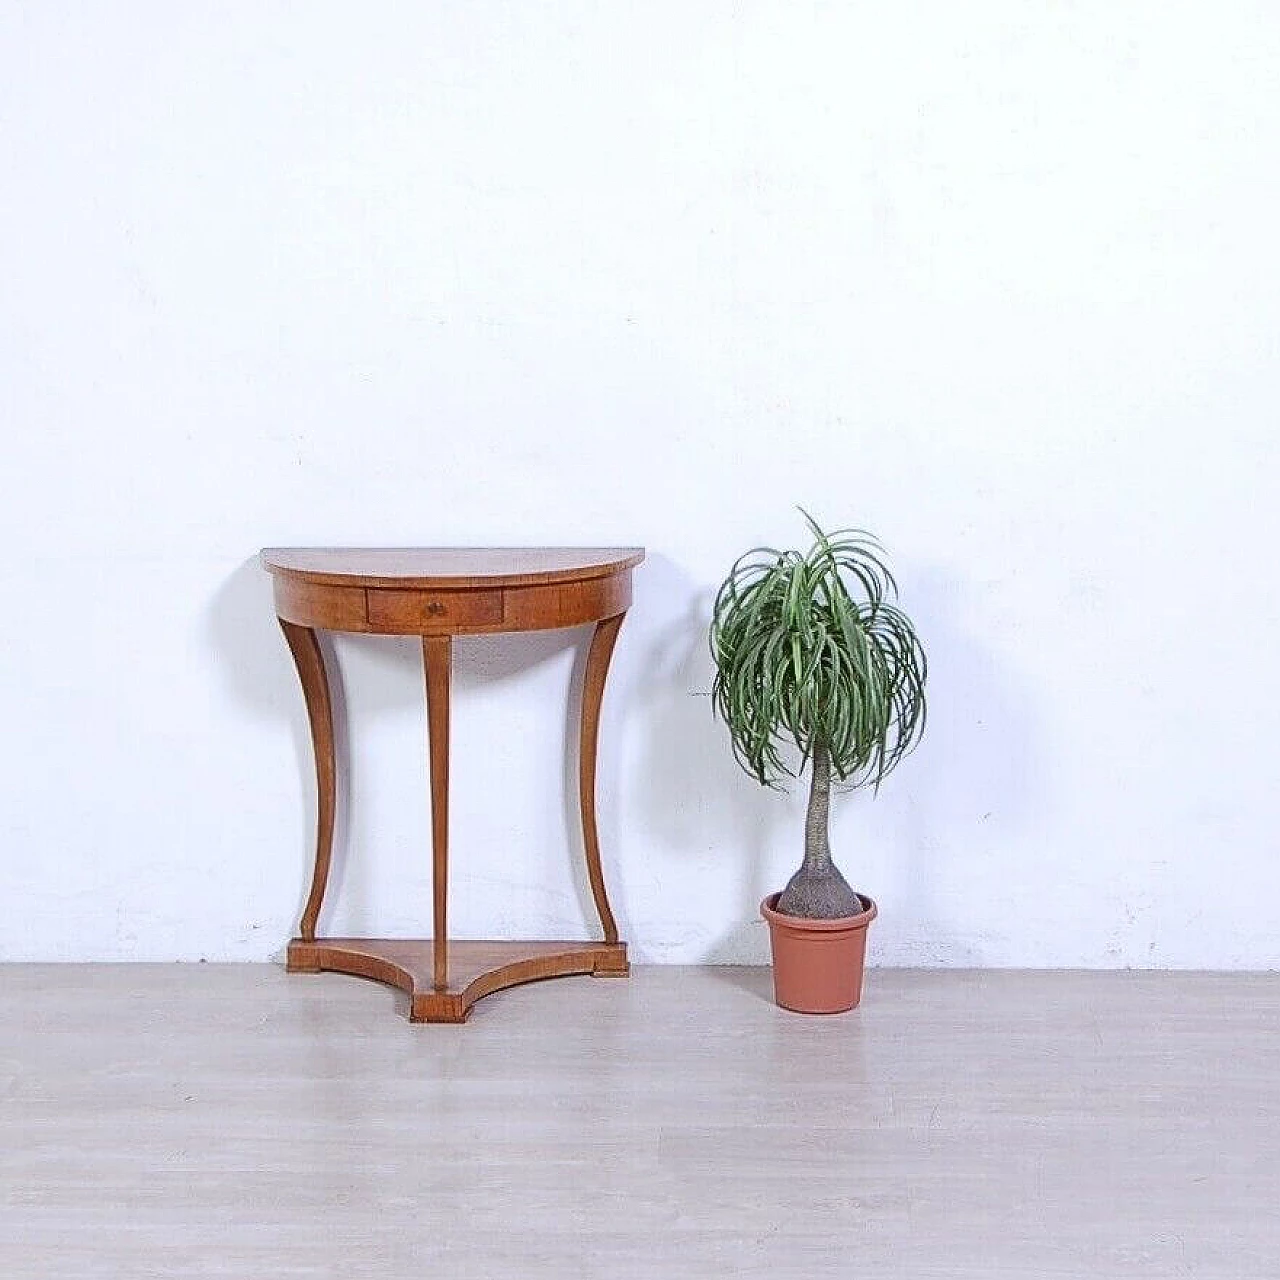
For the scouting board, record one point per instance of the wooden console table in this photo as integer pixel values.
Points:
(439, 594)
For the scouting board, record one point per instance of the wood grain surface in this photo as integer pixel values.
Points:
(474, 970)
(439, 594)
(449, 567)
(379, 603)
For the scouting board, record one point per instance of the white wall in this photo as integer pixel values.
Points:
(999, 281)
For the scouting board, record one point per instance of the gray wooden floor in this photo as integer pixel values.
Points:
(231, 1121)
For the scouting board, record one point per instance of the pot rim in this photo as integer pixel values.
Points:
(806, 924)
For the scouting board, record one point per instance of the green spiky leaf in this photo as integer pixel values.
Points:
(811, 649)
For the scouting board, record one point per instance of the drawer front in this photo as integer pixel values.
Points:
(567, 604)
(424, 612)
(313, 604)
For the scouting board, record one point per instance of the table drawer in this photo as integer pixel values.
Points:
(424, 611)
(316, 604)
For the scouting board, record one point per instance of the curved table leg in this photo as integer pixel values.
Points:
(602, 642)
(437, 661)
(315, 689)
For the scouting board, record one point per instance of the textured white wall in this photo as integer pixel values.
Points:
(999, 281)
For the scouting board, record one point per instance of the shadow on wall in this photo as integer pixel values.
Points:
(968, 790)
(975, 779)
(967, 793)
(698, 801)
(260, 674)
(254, 660)
(482, 662)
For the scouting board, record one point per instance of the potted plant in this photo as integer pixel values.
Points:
(816, 667)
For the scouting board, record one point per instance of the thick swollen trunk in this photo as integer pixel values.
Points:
(818, 891)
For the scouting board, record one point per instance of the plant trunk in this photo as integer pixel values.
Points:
(818, 891)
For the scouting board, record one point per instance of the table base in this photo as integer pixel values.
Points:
(476, 969)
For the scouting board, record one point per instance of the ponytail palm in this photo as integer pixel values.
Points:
(811, 652)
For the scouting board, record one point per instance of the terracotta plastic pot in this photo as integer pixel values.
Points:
(817, 964)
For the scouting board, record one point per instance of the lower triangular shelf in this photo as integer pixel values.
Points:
(476, 969)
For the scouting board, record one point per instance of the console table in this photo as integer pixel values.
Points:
(438, 594)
